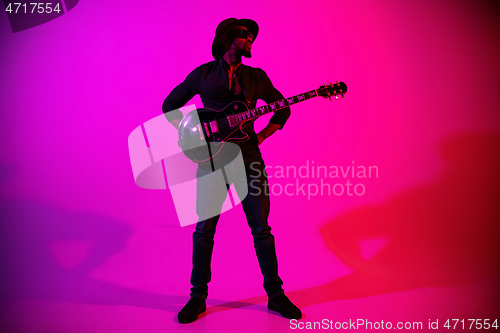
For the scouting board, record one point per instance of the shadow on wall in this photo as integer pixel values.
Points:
(47, 254)
(442, 234)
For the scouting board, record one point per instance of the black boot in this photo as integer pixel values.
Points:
(191, 310)
(284, 306)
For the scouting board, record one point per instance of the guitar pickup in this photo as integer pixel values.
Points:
(230, 120)
(214, 127)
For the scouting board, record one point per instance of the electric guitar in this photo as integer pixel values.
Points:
(203, 132)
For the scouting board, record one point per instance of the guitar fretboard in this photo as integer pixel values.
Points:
(241, 117)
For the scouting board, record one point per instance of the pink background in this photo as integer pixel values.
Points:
(84, 249)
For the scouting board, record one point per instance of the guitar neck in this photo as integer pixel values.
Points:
(271, 107)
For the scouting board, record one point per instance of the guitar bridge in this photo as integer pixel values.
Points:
(214, 127)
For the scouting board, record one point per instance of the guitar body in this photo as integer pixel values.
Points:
(203, 132)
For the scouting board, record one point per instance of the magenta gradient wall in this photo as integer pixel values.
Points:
(422, 106)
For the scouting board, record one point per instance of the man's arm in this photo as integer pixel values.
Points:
(279, 118)
(179, 96)
(267, 132)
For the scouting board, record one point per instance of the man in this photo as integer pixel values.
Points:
(220, 82)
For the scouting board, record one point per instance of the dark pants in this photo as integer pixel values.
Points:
(210, 198)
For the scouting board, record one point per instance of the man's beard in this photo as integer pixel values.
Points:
(246, 54)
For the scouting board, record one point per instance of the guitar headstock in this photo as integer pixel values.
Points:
(332, 89)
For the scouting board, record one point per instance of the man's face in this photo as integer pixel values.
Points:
(243, 42)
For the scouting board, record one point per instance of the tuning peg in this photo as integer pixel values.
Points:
(331, 83)
(336, 97)
(342, 96)
(328, 93)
